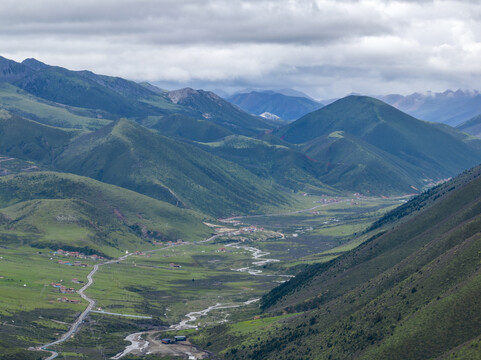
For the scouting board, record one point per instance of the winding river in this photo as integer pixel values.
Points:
(138, 344)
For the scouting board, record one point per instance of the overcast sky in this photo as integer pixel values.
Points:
(324, 48)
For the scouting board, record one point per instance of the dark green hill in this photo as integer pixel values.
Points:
(128, 155)
(433, 153)
(29, 140)
(187, 127)
(112, 97)
(78, 89)
(283, 164)
(20, 102)
(472, 126)
(11, 70)
(211, 107)
(345, 161)
(77, 94)
(47, 209)
(412, 291)
(285, 107)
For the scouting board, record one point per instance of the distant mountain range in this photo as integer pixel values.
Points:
(286, 107)
(82, 99)
(204, 153)
(450, 107)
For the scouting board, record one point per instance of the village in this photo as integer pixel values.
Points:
(78, 255)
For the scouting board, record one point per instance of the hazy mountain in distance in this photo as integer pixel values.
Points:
(472, 126)
(450, 107)
(286, 107)
(212, 107)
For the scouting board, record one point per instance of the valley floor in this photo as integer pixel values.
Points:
(190, 285)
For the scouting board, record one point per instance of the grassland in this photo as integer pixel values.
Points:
(30, 313)
(51, 210)
(331, 227)
(168, 293)
(148, 284)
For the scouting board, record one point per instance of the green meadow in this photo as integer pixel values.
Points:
(164, 282)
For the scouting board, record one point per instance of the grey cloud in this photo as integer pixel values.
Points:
(215, 21)
(323, 46)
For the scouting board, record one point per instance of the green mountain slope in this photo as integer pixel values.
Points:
(433, 153)
(21, 103)
(211, 107)
(345, 161)
(29, 140)
(75, 89)
(186, 127)
(286, 107)
(283, 164)
(412, 291)
(54, 210)
(472, 126)
(85, 94)
(128, 155)
(113, 97)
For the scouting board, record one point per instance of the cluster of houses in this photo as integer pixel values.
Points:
(328, 201)
(63, 289)
(78, 255)
(250, 229)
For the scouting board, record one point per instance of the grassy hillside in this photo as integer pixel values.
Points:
(411, 291)
(21, 103)
(282, 164)
(61, 97)
(128, 155)
(48, 209)
(85, 90)
(29, 140)
(431, 152)
(472, 126)
(186, 127)
(345, 161)
(211, 107)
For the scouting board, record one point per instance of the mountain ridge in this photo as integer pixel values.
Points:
(433, 150)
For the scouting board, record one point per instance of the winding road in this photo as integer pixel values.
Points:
(190, 317)
(75, 325)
